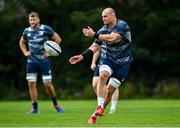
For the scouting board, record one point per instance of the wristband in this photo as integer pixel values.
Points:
(87, 52)
(96, 35)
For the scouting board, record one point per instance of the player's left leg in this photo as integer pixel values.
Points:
(51, 92)
(108, 94)
(115, 81)
(45, 68)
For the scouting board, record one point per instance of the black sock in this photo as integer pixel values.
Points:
(54, 100)
(35, 105)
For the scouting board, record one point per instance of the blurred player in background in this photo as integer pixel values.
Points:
(114, 40)
(95, 67)
(31, 43)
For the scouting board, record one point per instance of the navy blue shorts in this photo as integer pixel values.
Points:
(118, 71)
(42, 67)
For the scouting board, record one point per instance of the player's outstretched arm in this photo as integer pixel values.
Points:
(88, 52)
(75, 59)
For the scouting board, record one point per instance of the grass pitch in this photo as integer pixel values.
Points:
(130, 113)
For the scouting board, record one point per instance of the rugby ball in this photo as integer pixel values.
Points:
(52, 48)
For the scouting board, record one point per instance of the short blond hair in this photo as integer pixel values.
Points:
(34, 14)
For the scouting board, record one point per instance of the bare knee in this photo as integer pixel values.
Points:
(48, 84)
(31, 84)
(104, 76)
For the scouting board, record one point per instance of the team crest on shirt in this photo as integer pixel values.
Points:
(29, 34)
(41, 33)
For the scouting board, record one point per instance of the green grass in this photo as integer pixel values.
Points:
(130, 113)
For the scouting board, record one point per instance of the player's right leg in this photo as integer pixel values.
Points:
(31, 77)
(101, 84)
(34, 96)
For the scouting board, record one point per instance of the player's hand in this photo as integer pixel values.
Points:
(89, 32)
(93, 66)
(28, 53)
(75, 59)
(46, 54)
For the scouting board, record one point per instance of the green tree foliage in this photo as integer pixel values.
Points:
(155, 33)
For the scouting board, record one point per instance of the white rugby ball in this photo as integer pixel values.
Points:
(52, 48)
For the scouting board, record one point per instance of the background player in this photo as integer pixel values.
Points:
(37, 59)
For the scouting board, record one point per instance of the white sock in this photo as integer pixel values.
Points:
(100, 101)
(113, 104)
